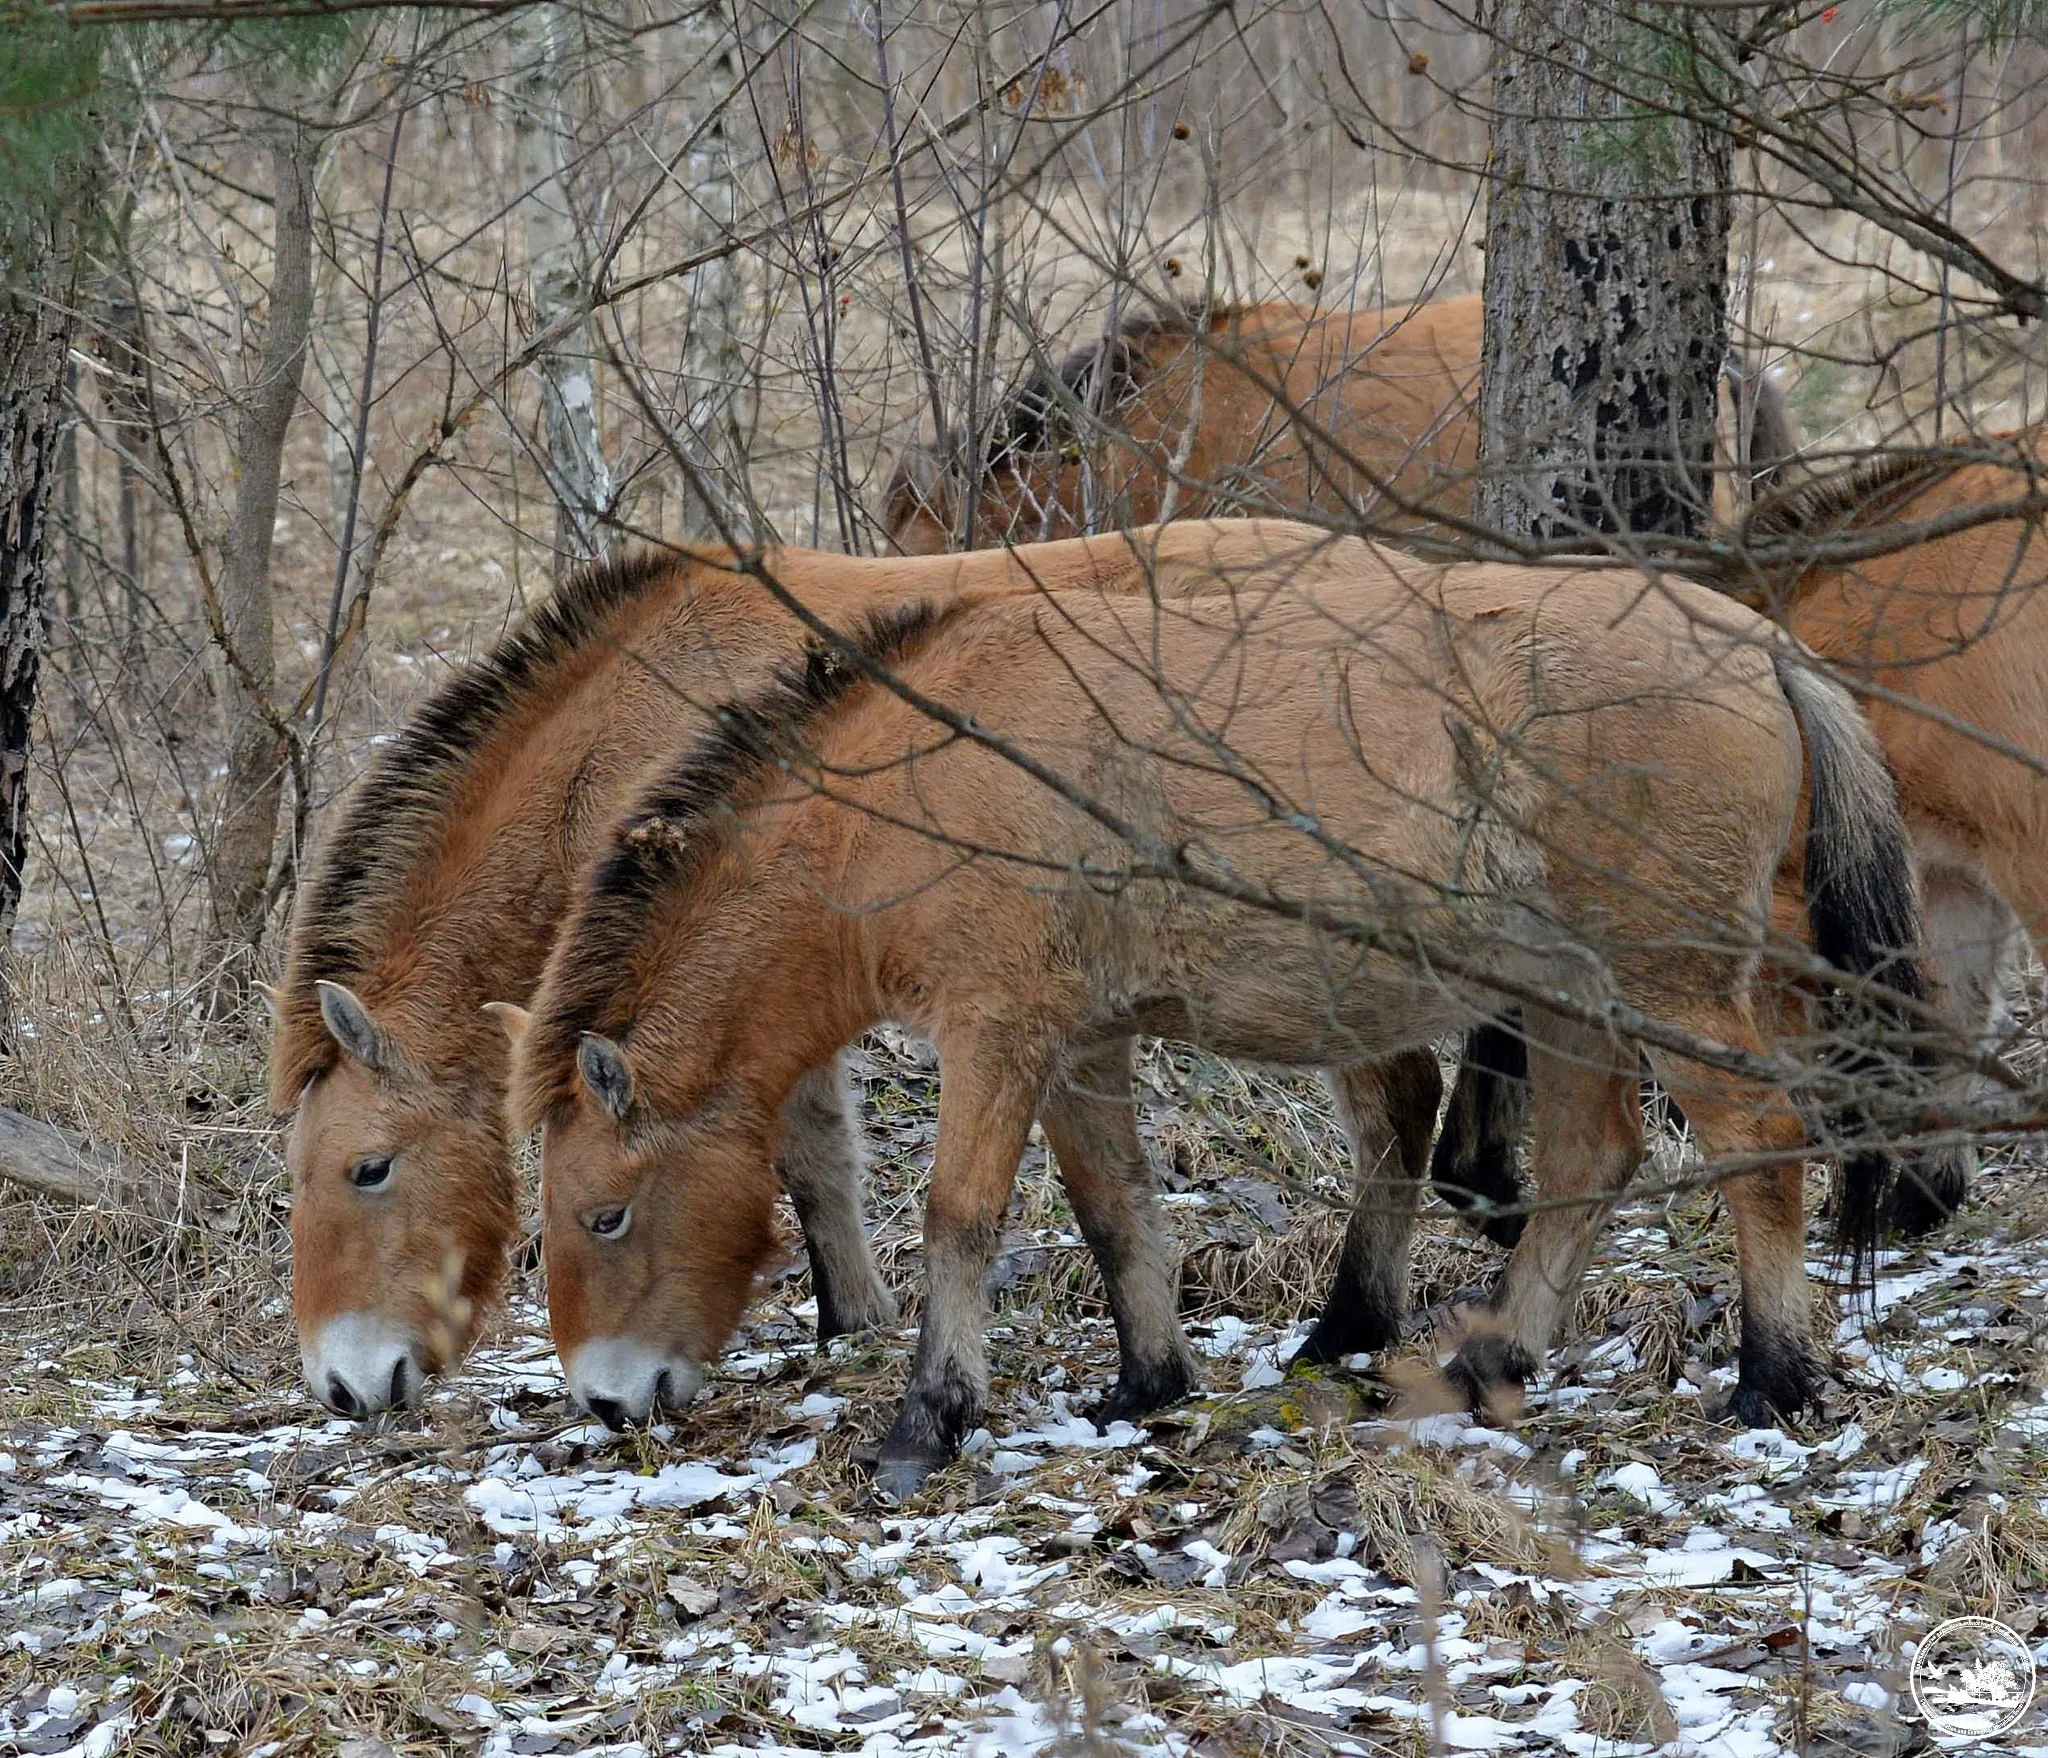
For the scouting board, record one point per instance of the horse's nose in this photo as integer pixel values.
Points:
(342, 1401)
(624, 1383)
(610, 1411)
(362, 1363)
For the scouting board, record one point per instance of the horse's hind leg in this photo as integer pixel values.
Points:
(1473, 1168)
(1589, 1141)
(820, 1164)
(1731, 1119)
(1092, 1126)
(1973, 943)
(1388, 1110)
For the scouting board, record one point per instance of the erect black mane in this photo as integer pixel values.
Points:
(401, 803)
(666, 837)
(1859, 495)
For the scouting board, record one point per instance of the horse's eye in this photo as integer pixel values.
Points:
(611, 1223)
(372, 1174)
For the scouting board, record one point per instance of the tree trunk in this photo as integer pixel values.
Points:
(239, 874)
(38, 276)
(1606, 277)
(127, 404)
(1607, 232)
(578, 476)
(714, 359)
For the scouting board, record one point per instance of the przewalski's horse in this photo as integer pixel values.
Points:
(1313, 826)
(1953, 633)
(442, 888)
(1176, 414)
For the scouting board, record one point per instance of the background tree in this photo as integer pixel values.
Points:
(48, 196)
(1607, 234)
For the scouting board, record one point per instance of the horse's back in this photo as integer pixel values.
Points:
(1353, 708)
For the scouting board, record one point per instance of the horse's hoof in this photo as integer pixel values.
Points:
(1773, 1388)
(1489, 1376)
(1753, 1407)
(897, 1480)
(1139, 1392)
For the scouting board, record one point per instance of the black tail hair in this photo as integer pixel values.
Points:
(1863, 910)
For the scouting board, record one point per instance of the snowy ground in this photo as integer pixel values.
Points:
(187, 1568)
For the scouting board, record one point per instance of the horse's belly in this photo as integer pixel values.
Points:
(1288, 1005)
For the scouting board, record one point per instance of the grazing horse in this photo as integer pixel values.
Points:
(1952, 633)
(442, 888)
(1360, 417)
(1317, 826)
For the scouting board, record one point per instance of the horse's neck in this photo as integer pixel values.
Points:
(770, 983)
(476, 916)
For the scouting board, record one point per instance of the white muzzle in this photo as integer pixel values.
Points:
(622, 1382)
(362, 1363)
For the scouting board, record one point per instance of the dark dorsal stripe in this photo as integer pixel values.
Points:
(668, 837)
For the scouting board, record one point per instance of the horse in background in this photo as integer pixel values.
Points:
(1364, 419)
(1951, 632)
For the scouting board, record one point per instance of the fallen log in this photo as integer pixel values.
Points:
(54, 1162)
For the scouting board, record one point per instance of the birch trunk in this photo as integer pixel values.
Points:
(714, 356)
(38, 275)
(1607, 235)
(238, 875)
(578, 476)
(121, 345)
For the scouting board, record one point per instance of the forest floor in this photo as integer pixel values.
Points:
(192, 1561)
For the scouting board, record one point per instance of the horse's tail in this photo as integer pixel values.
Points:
(1863, 910)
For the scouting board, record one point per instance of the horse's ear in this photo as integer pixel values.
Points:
(273, 1001)
(349, 1024)
(606, 1073)
(512, 1017)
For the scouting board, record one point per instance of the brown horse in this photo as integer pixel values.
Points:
(1318, 826)
(1952, 634)
(442, 889)
(1365, 418)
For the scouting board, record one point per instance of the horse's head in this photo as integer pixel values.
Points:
(654, 1225)
(402, 1213)
(917, 506)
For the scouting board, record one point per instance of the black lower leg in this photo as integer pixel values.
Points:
(948, 1378)
(1778, 1377)
(1362, 1313)
(1927, 1191)
(1473, 1168)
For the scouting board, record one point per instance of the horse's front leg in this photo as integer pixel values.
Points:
(820, 1163)
(1092, 1126)
(989, 1088)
